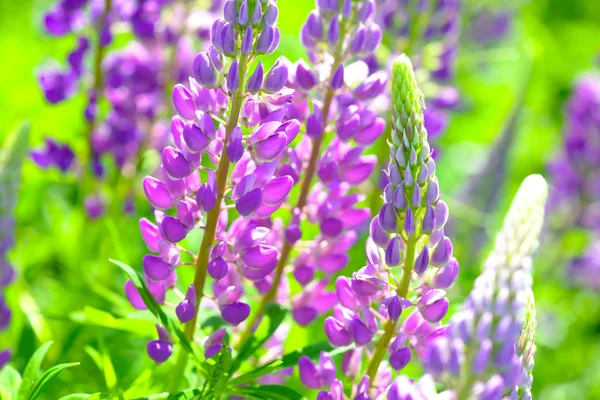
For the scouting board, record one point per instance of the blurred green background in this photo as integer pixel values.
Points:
(513, 95)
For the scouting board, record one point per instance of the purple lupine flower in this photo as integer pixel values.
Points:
(317, 376)
(401, 235)
(53, 154)
(11, 160)
(245, 151)
(574, 192)
(572, 172)
(584, 269)
(495, 327)
(422, 27)
(132, 80)
(489, 26)
(160, 349)
(339, 128)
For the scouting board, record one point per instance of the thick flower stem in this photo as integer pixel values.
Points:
(390, 327)
(212, 218)
(287, 246)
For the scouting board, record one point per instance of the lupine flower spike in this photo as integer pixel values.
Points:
(489, 344)
(410, 263)
(12, 155)
(333, 92)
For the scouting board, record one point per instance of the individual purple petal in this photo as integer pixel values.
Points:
(204, 71)
(194, 138)
(149, 234)
(175, 163)
(249, 202)
(276, 77)
(155, 267)
(206, 198)
(399, 359)
(235, 313)
(379, 236)
(446, 276)
(337, 334)
(184, 102)
(360, 333)
(185, 311)
(393, 252)
(387, 218)
(217, 268)
(255, 80)
(309, 374)
(277, 189)
(422, 261)
(159, 350)
(172, 229)
(305, 77)
(442, 253)
(259, 256)
(214, 343)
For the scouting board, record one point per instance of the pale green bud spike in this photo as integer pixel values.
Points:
(523, 223)
(407, 99)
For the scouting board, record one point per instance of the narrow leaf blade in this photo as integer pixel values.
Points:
(31, 370)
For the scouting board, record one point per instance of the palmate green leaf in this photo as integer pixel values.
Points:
(269, 392)
(31, 371)
(275, 314)
(50, 374)
(153, 305)
(10, 380)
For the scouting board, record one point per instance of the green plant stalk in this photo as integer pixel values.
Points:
(390, 326)
(212, 219)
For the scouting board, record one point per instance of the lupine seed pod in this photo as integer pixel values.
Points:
(490, 342)
(13, 153)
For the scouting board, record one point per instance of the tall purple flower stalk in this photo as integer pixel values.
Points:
(224, 163)
(487, 350)
(410, 261)
(133, 81)
(331, 100)
(575, 194)
(428, 32)
(11, 159)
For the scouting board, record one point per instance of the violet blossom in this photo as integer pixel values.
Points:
(490, 342)
(11, 159)
(410, 259)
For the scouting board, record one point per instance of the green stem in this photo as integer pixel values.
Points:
(212, 218)
(390, 326)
